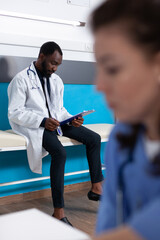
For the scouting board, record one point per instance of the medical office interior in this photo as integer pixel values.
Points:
(24, 27)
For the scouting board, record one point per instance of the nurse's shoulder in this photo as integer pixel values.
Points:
(120, 128)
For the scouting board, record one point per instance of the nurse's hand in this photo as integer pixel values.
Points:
(51, 124)
(78, 122)
(125, 233)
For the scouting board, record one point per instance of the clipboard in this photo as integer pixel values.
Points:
(82, 114)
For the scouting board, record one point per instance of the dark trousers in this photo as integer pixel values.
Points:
(58, 157)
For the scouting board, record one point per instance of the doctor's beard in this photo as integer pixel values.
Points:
(47, 73)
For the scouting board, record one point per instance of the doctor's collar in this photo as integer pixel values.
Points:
(40, 74)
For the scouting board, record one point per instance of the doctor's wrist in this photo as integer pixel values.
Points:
(43, 122)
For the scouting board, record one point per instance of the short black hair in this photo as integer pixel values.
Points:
(49, 48)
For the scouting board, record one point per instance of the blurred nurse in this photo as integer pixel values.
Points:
(127, 49)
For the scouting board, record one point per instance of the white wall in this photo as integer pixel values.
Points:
(23, 37)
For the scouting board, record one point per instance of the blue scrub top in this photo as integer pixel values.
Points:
(142, 189)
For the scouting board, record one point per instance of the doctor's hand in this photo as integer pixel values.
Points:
(51, 124)
(78, 122)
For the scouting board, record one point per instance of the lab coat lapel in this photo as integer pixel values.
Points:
(37, 81)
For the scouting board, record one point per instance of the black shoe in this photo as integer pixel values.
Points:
(65, 220)
(93, 196)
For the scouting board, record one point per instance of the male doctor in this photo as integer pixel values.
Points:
(35, 110)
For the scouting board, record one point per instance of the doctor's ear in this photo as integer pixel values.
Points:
(41, 57)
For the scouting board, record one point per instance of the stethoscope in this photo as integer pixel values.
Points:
(35, 86)
(34, 81)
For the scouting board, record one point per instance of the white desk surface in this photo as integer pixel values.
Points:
(33, 224)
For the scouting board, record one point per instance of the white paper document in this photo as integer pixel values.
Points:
(33, 224)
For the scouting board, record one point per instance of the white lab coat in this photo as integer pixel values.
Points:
(27, 108)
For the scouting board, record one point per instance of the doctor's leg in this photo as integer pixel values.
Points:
(58, 159)
(92, 141)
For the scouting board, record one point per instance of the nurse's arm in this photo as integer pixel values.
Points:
(107, 218)
(122, 233)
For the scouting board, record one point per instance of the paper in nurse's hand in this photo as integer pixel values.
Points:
(82, 114)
